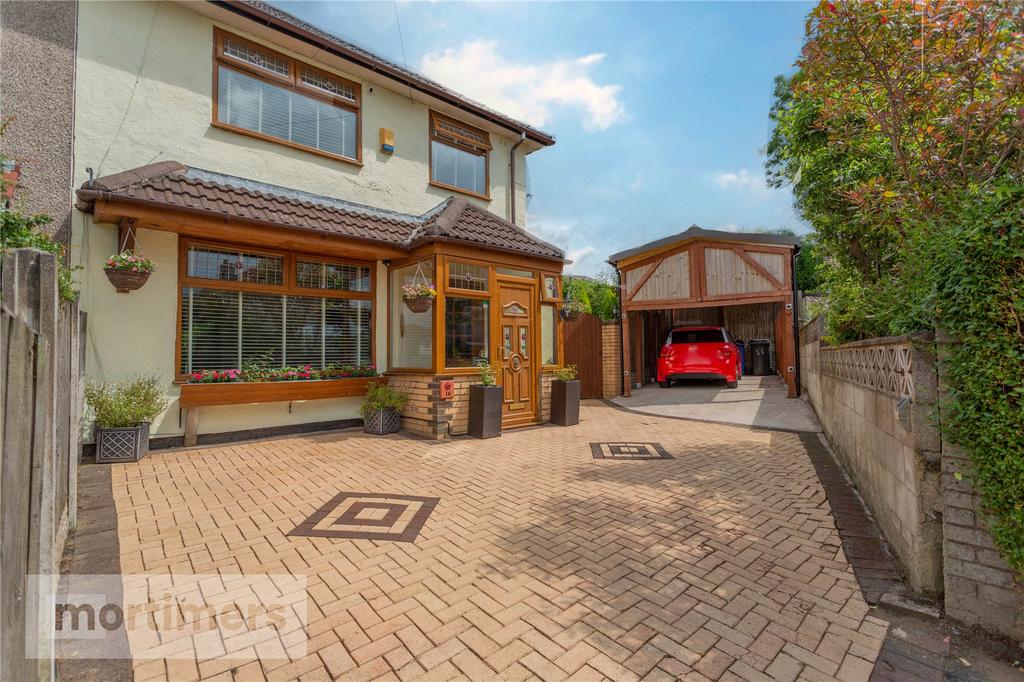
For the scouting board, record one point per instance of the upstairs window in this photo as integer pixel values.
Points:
(262, 93)
(458, 156)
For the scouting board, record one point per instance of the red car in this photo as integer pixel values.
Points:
(699, 353)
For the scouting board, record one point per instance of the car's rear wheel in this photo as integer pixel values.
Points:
(730, 384)
(665, 384)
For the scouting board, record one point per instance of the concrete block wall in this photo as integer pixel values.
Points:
(873, 433)
(980, 588)
(611, 352)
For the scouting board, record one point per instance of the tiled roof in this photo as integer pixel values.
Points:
(169, 184)
(268, 14)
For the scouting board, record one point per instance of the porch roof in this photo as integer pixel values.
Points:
(173, 186)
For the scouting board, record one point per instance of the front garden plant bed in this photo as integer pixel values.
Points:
(244, 392)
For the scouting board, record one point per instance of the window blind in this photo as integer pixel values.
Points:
(280, 112)
(226, 329)
(458, 168)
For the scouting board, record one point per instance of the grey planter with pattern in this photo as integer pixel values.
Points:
(122, 444)
(382, 422)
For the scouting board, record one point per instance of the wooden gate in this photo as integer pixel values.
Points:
(583, 349)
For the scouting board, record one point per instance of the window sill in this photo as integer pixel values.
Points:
(285, 143)
(245, 392)
(453, 188)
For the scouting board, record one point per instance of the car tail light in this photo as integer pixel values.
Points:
(667, 351)
(725, 353)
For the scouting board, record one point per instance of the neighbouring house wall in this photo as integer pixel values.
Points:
(37, 88)
(611, 351)
(981, 589)
(873, 400)
(145, 74)
(134, 334)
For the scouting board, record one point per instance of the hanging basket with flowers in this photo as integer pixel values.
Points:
(419, 296)
(128, 271)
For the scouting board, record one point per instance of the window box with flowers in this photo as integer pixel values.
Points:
(276, 384)
(128, 271)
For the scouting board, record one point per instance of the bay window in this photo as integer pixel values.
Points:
(274, 309)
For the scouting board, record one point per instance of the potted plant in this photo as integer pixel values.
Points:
(128, 271)
(419, 296)
(565, 397)
(572, 309)
(485, 402)
(122, 413)
(380, 409)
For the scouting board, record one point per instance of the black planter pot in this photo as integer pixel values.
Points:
(127, 444)
(382, 422)
(485, 411)
(565, 402)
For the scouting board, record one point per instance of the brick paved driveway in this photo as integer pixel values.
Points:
(538, 561)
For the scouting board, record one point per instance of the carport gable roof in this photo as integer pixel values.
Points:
(696, 232)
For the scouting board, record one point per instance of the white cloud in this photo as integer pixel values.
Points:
(571, 237)
(529, 92)
(580, 258)
(742, 180)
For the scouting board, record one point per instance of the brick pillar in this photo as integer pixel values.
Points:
(611, 353)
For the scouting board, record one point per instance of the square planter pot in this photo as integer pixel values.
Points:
(127, 444)
(382, 422)
(565, 402)
(485, 411)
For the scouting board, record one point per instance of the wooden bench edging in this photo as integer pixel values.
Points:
(194, 396)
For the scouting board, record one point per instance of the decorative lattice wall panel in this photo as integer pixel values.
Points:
(885, 368)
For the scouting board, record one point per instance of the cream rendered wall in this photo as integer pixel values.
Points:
(134, 334)
(144, 88)
(143, 94)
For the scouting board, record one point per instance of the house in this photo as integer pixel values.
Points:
(288, 184)
(740, 281)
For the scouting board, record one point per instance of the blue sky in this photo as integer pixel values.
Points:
(660, 109)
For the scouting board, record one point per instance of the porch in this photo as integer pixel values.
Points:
(298, 301)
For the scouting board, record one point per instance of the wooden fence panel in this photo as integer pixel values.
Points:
(583, 349)
(40, 408)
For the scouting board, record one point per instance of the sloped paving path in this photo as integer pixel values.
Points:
(538, 561)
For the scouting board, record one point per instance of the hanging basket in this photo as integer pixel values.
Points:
(126, 280)
(419, 304)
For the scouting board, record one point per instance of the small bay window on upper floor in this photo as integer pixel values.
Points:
(459, 156)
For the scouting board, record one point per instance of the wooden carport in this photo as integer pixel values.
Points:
(708, 273)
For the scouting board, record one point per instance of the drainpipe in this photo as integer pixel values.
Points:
(512, 177)
(796, 321)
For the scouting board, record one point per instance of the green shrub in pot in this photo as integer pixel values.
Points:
(565, 397)
(122, 412)
(381, 409)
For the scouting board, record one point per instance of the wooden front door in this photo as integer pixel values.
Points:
(518, 369)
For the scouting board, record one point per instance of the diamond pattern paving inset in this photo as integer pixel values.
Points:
(629, 451)
(369, 516)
